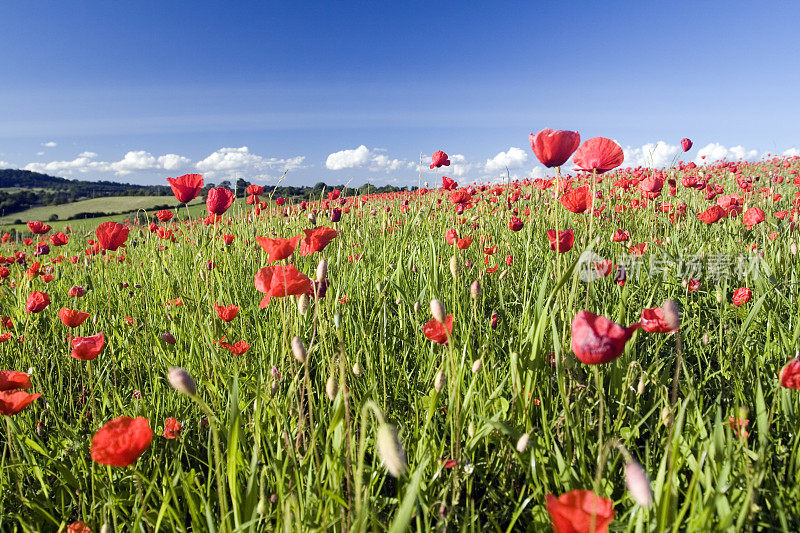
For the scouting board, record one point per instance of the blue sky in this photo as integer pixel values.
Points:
(112, 90)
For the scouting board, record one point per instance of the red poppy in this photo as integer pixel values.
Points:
(237, 348)
(439, 159)
(515, 224)
(121, 441)
(752, 217)
(79, 527)
(691, 285)
(596, 339)
(653, 321)
(464, 243)
(14, 401)
(37, 227)
(37, 301)
(790, 375)
(577, 200)
(218, 200)
(554, 147)
(278, 249)
(228, 239)
(172, 428)
(111, 235)
(281, 280)
(565, 240)
(59, 239)
(72, 318)
(620, 236)
(226, 314)
(87, 348)
(741, 296)
(598, 154)
(448, 184)
(686, 144)
(11, 380)
(438, 332)
(255, 190)
(651, 186)
(186, 187)
(316, 239)
(580, 511)
(165, 215)
(712, 214)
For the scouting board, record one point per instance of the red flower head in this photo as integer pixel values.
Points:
(741, 296)
(165, 215)
(37, 301)
(218, 200)
(255, 190)
(752, 217)
(448, 184)
(577, 200)
(278, 249)
(121, 441)
(620, 236)
(14, 401)
(87, 348)
(71, 317)
(281, 280)
(565, 240)
(11, 380)
(186, 187)
(686, 144)
(598, 154)
(451, 236)
(651, 186)
(653, 321)
(172, 428)
(59, 239)
(316, 239)
(39, 228)
(712, 214)
(111, 235)
(515, 224)
(79, 527)
(596, 339)
(553, 147)
(578, 511)
(226, 314)
(790, 375)
(438, 332)
(439, 159)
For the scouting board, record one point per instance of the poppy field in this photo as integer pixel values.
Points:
(603, 349)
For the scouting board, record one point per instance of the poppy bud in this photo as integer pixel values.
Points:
(390, 450)
(181, 381)
(261, 509)
(672, 314)
(471, 429)
(437, 310)
(522, 443)
(439, 381)
(302, 303)
(706, 339)
(477, 365)
(322, 269)
(719, 296)
(298, 349)
(793, 248)
(357, 369)
(39, 429)
(312, 217)
(640, 387)
(331, 387)
(416, 307)
(337, 320)
(454, 266)
(665, 416)
(475, 289)
(105, 528)
(638, 484)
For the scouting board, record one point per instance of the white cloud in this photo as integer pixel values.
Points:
(87, 154)
(133, 161)
(50, 144)
(173, 161)
(651, 155)
(81, 164)
(716, 152)
(513, 158)
(362, 156)
(240, 162)
(39, 153)
(791, 152)
(5, 164)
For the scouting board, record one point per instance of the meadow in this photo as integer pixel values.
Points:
(421, 360)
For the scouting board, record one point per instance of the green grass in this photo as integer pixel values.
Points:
(290, 458)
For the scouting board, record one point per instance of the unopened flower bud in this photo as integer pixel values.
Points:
(302, 304)
(322, 269)
(390, 450)
(337, 320)
(168, 337)
(357, 369)
(477, 365)
(416, 307)
(454, 266)
(437, 310)
(475, 289)
(706, 339)
(331, 387)
(298, 349)
(106, 528)
(181, 381)
(439, 381)
(640, 387)
(672, 314)
(638, 484)
(522, 443)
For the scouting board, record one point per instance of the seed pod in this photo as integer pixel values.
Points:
(440, 380)
(331, 387)
(638, 484)
(391, 450)
(302, 303)
(322, 269)
(477, 365)
(437, 310)
(181, 381)
(298, 349)
(475, 289)
(454, 266)
(522, 443)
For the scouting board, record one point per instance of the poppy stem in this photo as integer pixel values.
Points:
(602, 415)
